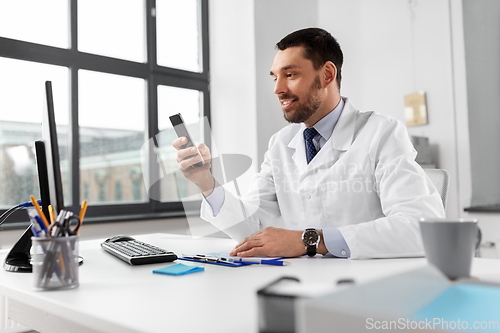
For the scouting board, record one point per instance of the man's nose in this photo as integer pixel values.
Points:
(280, 87)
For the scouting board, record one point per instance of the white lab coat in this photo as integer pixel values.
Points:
(364, 181)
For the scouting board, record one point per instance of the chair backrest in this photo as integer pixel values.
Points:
(441, 179)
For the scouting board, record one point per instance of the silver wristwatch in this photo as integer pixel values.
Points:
(311, 239)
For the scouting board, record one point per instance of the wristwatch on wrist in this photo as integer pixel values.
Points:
(311, 238)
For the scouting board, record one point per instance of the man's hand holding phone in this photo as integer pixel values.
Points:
(187, 157)
(194, 162)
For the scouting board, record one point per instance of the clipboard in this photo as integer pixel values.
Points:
(225, 260)
(228, 264)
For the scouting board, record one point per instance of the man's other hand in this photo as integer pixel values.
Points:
(271, 242)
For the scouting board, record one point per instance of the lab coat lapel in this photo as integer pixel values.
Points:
(298, 144)
(340, 140)
(343, 134)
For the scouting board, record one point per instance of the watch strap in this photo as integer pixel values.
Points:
(311, 251)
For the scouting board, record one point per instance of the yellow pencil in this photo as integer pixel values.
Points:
(51, 214)
(61, 264)
(39, 211)
(82, 214)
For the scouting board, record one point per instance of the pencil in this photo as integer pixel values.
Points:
(82, 214)
(51, 214)
(39, 211)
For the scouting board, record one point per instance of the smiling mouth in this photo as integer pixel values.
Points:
(285, 104)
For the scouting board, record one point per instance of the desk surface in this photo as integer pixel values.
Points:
(116, 297)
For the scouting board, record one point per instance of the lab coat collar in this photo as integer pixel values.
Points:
(340, 140)
(343, 134)
(297, 143)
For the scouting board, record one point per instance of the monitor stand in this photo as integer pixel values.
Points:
(19, 257)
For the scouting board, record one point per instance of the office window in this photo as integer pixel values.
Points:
(173, 17)
(42, 22)
(112, 118)
(21, 103)
(114, 28)
(172, 101)
(118, 68)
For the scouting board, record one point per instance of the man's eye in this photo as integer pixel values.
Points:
(290, 75)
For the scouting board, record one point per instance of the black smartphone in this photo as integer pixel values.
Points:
(182, 131)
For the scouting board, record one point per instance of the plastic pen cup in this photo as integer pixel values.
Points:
(55, 262)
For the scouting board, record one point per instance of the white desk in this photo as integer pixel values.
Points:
(116, 297)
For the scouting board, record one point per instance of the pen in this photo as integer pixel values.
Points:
(35, 232)
(39, 211)
(41, 224)
(42, 229)
(37, 226)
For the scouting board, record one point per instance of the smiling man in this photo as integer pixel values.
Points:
(345, 182)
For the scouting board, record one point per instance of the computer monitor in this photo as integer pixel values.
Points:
(49, 136)
(49, 177)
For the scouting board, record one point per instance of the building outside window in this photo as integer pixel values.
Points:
(118, 191)
(136, 189)
(86, 190)
(101, 196)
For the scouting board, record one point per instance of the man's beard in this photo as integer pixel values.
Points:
(309, 107)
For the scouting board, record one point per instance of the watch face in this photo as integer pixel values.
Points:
(311, 237)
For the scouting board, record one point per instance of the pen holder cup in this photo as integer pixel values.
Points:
(55, 262)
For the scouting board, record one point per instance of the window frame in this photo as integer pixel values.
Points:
(153, 74)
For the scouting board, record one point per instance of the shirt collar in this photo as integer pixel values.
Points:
(326, 124)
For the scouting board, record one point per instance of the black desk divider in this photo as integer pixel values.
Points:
(19, 257)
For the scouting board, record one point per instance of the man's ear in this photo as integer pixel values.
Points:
(330, 73)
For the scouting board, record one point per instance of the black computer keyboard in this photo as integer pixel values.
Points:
(135, 252)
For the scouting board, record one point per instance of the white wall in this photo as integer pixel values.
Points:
(481, 56)
(482, 51)
(273, 21)
(393, 48)
(232, 76)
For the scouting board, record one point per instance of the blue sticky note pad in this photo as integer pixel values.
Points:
(179, 269)
(468, 303)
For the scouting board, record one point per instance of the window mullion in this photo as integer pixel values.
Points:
(73, 129)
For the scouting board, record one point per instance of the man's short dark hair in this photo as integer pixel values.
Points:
(319, 47)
